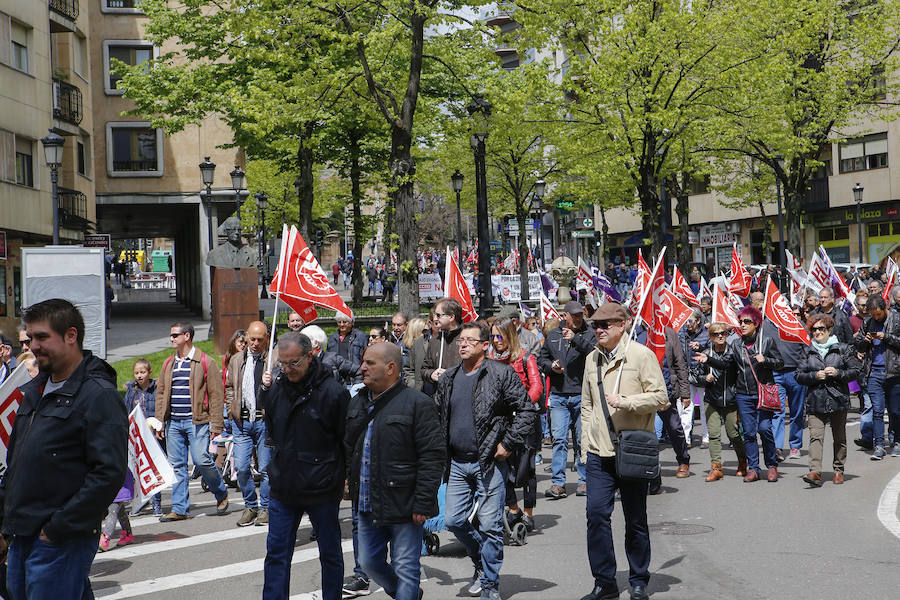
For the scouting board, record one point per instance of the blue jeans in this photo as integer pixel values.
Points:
(565, 410)
(248, 435)
(182, 435)
(485, 544)
(756, 421)
(37, 570)
(354, 535)
(601, 485)
(284, 520)
(877, 396)
(794, 395)
(545, 426)
(892, 405)
(401, 578)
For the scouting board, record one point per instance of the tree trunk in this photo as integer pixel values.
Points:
(682, 244)
(767, 234)
(651, 213)
(305, 194)
(389, 242)
(407, 230)
(521, 214)
(359, 232)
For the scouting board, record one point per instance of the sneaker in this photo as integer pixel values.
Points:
(879, 453)
(513, 517)
(474, 588)
(103, 546)
(262, 518)
(794, 454)
(528, 522)
(779, 455)
(538, 459)
(555, 492)
(247, 517)
(355, 586)
(490, 594)
(125, 538)
(581, 490)
(896, 451)
(866, 444)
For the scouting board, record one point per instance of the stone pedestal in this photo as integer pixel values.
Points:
(235, 303)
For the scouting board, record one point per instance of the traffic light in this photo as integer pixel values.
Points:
(320, 237)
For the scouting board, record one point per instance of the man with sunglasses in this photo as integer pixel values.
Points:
(442, 351)
(190, 401)
(306, 411)
(486, 415)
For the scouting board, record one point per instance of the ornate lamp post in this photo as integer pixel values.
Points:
(456, 180)
(858, 196)
(238, 180)
(262, 202)
(53, 154)
(480, 111)
(782, 257)
(208, 173)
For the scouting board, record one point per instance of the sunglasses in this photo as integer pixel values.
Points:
(604, 324)
(717, 334)
(819, 328)
(497, 336)
(374, 337)
(175, 335)
(747, 322)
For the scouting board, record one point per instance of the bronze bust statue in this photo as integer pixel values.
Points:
(233, 254)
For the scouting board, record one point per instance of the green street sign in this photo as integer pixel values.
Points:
(582, 234)
(588, 222)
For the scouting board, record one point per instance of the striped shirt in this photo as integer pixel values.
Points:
(181, 386)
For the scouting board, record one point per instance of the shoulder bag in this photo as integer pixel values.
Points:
(637, 450)
(769, 399)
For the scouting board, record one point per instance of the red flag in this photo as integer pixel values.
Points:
(641, 283)
(547, 310)
(675, 313)
(654, 311)
(681, 288)
(721, 309)
(455, 287)
(891, 281)
(740, 278)
(300, 278)
(790, 329)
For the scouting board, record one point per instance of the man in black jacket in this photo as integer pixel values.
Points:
(53, 502)
(397, 457)
(562, 359)
(842, 329)
(486, 415)
(306, 410)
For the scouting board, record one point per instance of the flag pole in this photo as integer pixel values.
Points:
(286, 243)
(272, 336)
(637, 317)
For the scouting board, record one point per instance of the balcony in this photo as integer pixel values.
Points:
(67, 102)
(817, 198)
(63, 14)
(73, 210)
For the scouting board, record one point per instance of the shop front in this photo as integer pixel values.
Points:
(837, 232)
(716, 242)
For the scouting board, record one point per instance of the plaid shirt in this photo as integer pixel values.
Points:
(365, 501)
(146, 398)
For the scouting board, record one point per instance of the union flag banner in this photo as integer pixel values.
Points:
(10, 396)
(455, 287)
(776, 309)
(892, 272)
(740, 278)
(682, 289)
(722, 311)
(705, 292)
(300, 278)
(641, 283)
(583, 280)
(151, 469)
(548, 311)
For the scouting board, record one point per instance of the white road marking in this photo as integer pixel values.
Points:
(317, 595)
(151, 519)
(133, 551)
(172, 582)
(887, 506)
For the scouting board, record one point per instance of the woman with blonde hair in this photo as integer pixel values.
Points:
(414, 340)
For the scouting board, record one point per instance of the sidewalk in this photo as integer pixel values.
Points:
(141, 328)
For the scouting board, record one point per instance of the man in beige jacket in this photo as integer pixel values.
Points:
(632, 404)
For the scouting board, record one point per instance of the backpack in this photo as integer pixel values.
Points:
(204, 364)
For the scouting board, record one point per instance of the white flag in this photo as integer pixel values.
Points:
(151, 469)
(10, 395)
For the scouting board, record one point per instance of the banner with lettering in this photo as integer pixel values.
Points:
(10, 395)
(151, 469)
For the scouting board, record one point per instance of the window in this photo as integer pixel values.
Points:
(130, 52)
(121, 3)
(24, 162)
(883, 229)
(133, 149)
(698, 184)
(833, 234)
(18, 36)
(82, 164)
(79, 56)
(862, 154)
(879, 84)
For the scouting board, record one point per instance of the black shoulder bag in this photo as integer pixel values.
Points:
(637, 450)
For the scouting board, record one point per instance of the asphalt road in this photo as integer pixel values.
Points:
(709, 540)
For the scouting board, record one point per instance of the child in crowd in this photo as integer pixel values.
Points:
(143, 391)
(118, 511)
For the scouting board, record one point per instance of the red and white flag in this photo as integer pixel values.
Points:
(705, 292)
(300, 279)
(547, 309)
(151, 469)
(793, 264)
(892, 272)
(722, 312)
(819, 272)
(776, 309)
(682, 289)
(583, 280)
(740, 278)
(10, 396)
(641, 283)
(655, 310)
(675, 313)
(455, 287)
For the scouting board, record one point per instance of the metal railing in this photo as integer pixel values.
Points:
(73, 209)
(67, 8)
(122, 3)
(817, 196)
(67, 102)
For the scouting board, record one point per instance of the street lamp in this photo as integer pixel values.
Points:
(208, 173)
(53, 154)
(262, 202)
(782, 257)
(238, 177)
(540, 188)
(857, 196)
(480, 111)
(456, 180)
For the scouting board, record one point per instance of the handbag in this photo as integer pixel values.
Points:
(769, 398)
(637, 450)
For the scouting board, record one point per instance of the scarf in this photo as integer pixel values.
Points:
(502, 356)
(822, 349)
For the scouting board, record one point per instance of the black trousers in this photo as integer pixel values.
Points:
(671, 422)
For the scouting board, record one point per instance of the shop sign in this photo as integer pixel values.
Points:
(98, 240)
(693, 237)
(870, 214)
(717, 235)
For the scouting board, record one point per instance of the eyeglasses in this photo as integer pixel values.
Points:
(470, 341)
(438, 315)
(373, 336)
(175, 335)
(25, 343)
(717, 334)
(747, 322)
(604, 324)
(819, 328)
(497, 336)
(291, 365)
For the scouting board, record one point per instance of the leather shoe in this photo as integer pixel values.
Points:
(555, 492)
(813, 478)
(173, 516)
(772, 475)
(222, 507)
(838, 478)
(751, 476)
(683, 471)
(639, 592)
(606, 592)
